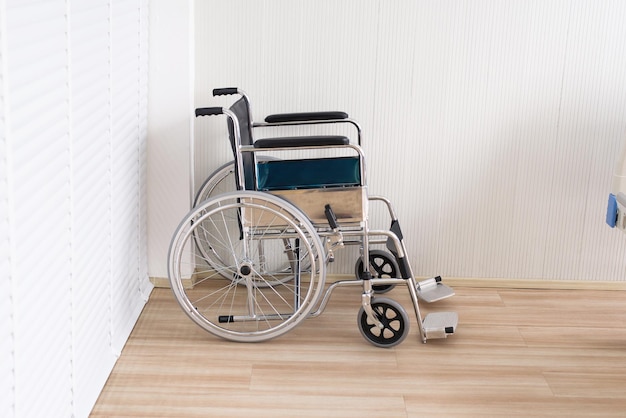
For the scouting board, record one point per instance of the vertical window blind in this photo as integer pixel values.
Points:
(72, 197)
(7, 343)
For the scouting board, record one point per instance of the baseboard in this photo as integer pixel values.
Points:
(165, 282)
(547, 284)
(474, 282)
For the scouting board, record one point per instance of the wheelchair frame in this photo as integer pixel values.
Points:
(297, 221)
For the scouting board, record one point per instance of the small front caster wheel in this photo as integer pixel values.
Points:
(394, 320)
(382, 265)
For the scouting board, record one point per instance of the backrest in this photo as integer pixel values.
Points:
(241, 109)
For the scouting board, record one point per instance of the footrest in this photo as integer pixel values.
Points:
(440, 324)
(432, 290)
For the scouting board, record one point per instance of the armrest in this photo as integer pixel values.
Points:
(301, 141)
(308, 118)
(305, 116)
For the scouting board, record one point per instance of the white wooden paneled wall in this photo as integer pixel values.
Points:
(494, 127)
(72, 198)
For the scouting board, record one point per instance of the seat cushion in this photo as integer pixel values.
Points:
(308, 173)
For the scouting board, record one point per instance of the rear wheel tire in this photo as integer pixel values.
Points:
(218, 245)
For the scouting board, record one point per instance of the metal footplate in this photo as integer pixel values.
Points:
(440, 324)
(432, 290)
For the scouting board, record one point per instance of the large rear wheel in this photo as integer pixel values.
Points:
(222, 246)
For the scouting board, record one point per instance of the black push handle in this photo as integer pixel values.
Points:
(209, 111)
(225, 91)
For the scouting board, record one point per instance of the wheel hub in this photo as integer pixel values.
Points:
(245, 269)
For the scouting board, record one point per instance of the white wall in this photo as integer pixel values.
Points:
(73, 126)
(493, 126)
(170, 113)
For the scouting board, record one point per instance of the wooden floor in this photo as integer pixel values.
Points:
(516, 353)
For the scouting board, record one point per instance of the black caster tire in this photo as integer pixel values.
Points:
(382, 264)
(394, 319)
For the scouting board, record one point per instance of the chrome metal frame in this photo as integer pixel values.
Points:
(361, 233)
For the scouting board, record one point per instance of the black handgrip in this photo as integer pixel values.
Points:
(330, 215)
(208, 111)
(225, 91)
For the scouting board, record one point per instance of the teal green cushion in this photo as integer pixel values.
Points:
(308, 173)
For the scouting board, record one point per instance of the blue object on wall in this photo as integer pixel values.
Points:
(611, 211)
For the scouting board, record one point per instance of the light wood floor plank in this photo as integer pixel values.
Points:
(516, 353)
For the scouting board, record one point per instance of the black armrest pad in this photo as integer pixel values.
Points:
(301, 141)
(305, 116)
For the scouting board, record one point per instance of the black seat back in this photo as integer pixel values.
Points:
(241, 109)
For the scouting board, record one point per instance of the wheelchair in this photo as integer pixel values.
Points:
(257, 254)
